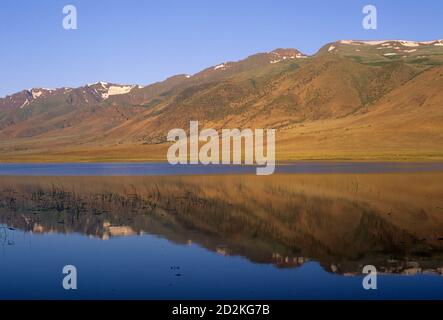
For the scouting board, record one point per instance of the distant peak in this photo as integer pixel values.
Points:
(98, 83)
(283, 54)
(286, 52)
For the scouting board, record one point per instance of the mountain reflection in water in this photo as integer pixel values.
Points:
(343, 221)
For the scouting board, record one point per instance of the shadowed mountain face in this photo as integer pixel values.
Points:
(393, 221)
(352, 99)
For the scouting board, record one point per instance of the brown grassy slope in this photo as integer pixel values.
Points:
(323, 88)
(328, 107)
(407, 123)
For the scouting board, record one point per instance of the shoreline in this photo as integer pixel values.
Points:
(166, 169)
(278, 161)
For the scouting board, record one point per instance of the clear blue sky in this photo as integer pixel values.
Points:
(140, 42)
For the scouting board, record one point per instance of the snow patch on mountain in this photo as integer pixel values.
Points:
(106, 90)
(405, 43)
(220, 66)
(36, 93)
(410, 43)
(24, 104)
(116, 90)
(358, 42)
(101, 83)
(277, 56)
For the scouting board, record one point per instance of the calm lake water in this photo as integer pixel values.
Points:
(200, 233)
(137, 169)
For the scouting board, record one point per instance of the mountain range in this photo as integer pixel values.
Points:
(350, 100)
